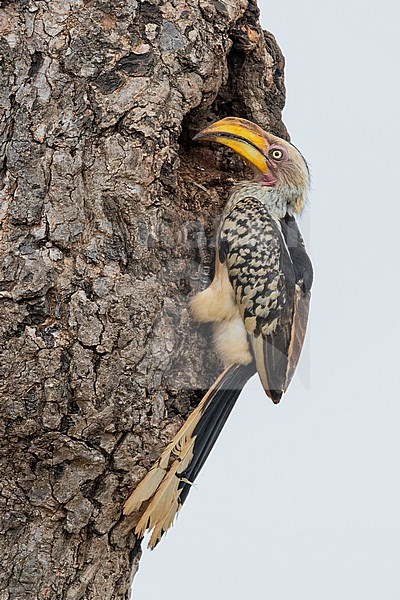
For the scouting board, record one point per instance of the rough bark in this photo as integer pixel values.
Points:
(107, 216)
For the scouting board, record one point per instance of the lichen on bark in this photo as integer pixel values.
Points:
(106, 224)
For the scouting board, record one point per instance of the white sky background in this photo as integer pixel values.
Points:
(302, 501)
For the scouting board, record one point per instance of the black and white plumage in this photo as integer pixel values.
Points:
(270, 275)
(258, 303)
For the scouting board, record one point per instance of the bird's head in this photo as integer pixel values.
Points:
(276, 163)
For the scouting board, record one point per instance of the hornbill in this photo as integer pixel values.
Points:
(258, 303)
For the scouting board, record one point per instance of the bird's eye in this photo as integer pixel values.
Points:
(276, 154)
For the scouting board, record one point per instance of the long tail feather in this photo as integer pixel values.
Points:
(148, 486)
(211, 424)
(167, 485)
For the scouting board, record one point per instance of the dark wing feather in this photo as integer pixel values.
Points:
(265, 273)
(299, 257)
(299, 327)
(304, 278)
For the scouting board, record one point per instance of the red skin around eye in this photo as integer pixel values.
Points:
(281, 149)
(269, 179)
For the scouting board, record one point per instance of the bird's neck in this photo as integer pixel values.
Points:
(276, 199)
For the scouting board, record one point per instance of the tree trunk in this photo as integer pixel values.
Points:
(107, 215)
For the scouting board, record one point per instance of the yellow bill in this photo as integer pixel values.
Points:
(245, 138)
